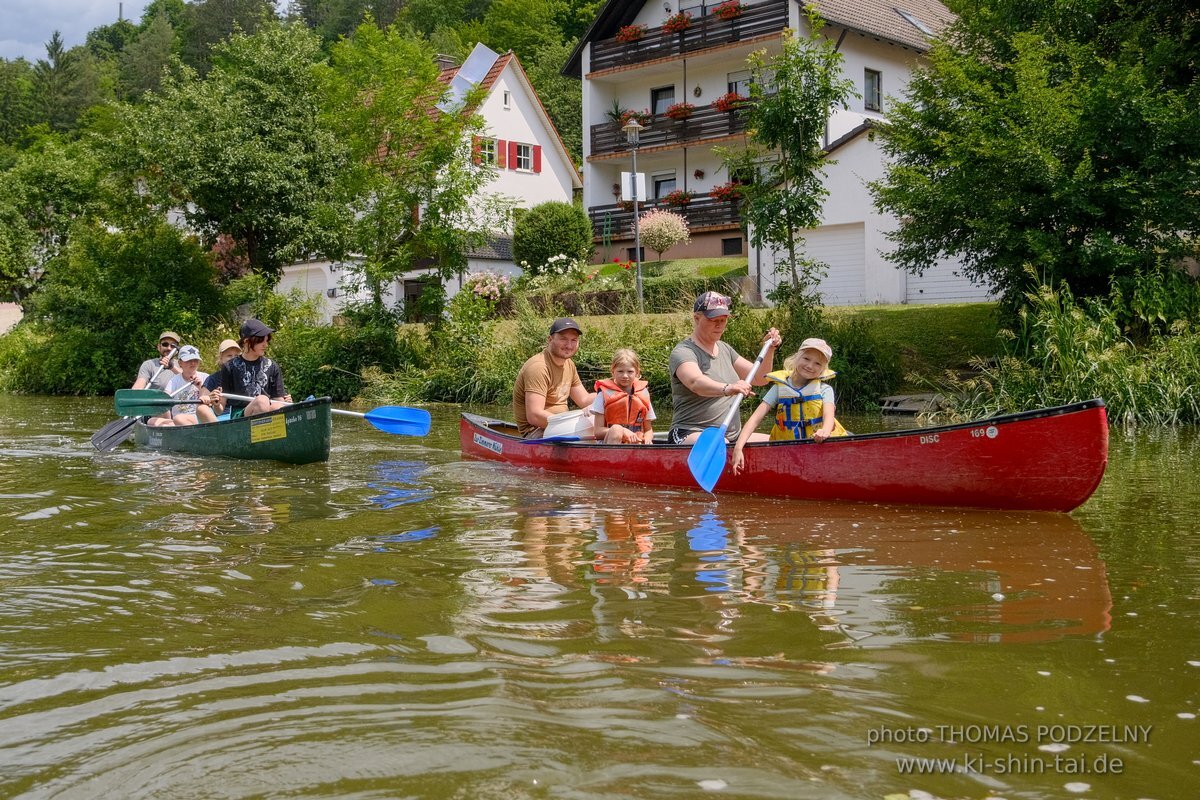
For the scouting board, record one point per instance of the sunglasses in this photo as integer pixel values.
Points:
(166, 344)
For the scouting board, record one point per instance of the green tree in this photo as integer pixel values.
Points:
(107, 295)
(1059, 135)
(523, 26)
(243, 151)
(562, 97)
(16, 99)
(416, 190)
(792, 97)
(110, 40)
(143, 62)
(54, 184)
(210, 22)
(333, 19)
(551, 229)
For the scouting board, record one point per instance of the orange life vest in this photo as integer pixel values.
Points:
(622, 407)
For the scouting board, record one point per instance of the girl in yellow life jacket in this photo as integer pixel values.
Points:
(622, 410)
(801, 399)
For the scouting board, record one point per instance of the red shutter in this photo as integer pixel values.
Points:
(501, 153)
(537, 158)
(476, 152)
(512, 155)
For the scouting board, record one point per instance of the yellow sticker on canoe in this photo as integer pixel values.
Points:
(268, 428)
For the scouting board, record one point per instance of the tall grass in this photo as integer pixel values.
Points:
(1064, 350)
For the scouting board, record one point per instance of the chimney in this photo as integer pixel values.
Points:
(445, 62)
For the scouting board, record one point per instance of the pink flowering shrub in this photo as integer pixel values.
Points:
(661, 230)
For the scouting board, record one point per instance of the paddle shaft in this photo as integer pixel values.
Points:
(247, 399)
(737, 403)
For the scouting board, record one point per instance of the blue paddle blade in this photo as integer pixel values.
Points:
(707, 459)
(399, 420)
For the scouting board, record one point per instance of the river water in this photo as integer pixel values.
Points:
(401, 623)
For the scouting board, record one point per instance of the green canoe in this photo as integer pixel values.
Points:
(298, 434)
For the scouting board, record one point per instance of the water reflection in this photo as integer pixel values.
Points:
(860, 577)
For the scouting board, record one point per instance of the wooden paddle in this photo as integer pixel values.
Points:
(389, 419)
(119, 430)
(707, 459)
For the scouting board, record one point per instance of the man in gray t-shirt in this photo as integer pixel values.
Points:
(156, 373)
(706, 373)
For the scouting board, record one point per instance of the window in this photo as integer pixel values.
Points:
(739, 82)
(508, 99)
(524, 157)
(487, 151)
(631, 254)
(661, 98)
(873, 90)
(731, 247)
(664, 184)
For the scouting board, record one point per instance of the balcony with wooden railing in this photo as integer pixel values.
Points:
(705, 31)
(704, 123)
(703, 212)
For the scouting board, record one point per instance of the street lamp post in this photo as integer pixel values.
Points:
(632, 130)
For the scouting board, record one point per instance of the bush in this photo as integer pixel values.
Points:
(103, 303)
(662, 230)
(552, 229)
(330, 361)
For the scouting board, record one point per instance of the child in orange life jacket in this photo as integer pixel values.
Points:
(622, 410)
(803, 403)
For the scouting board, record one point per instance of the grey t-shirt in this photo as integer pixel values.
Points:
(149, 367)
(693, 412)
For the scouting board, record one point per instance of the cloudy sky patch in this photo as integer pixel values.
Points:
(26, 25)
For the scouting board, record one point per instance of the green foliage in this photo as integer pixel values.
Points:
(52, 183)
(254, 293)
(206, 25)
(404, 161)
(331, 360)
(102, 306)
(16, 99)
(244, 150)
(551, 229)
(1058, 134)
(143, 60)
(1067, 350)
(562, 97)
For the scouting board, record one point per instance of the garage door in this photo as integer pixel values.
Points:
(943, 283)
(843, 248)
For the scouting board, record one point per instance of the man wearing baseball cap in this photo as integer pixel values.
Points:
(547, 380)
(155, 373)
(705, 371)
(251, 373)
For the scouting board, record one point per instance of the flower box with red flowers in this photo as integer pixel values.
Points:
(631, 33)
(677, 23)
(726, 192)
(680, 111)
(729, 101)
(730, 9)
(678, 198)
(643, 117)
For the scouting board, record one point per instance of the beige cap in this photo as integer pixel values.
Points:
(228, 343)
(172, 335)
(820, 345)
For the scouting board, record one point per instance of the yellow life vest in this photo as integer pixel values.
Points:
(799, 412)
(624, 408)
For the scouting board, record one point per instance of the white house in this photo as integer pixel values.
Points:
(652, 70)
(533, 167)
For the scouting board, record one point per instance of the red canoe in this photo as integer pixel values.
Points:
(1051, 459)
